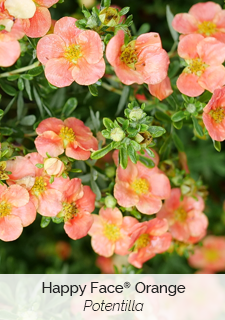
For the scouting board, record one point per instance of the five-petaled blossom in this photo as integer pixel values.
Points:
(205, 18)
(186, 220)
(204, 70)
(55, 136)
(210, 256)
(140, 61)
(110, 231)
(214, 115)
(140, 186)
(78, 202)
(71, 54)
(16, 211)
(147, 239)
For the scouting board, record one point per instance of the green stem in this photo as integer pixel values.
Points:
(32, 66)
(110, 88)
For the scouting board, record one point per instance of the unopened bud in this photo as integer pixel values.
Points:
(21, 9)
(110, 202)
(109, 17)
(117, 134)
(136, 114)
(110, 172)
(191, 108)
(7, 23)
(54, 166)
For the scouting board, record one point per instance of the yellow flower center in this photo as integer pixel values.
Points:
(180, 215)
(73, 53)
(5, 209)
(196, 66)
(67, 135)
(218, 114)
(111, 231)
(142, 242)
(39, 186)
(140, 186)
(129, 55)
(3, 175)
(207, 28)
(211, 255)
(69, 211)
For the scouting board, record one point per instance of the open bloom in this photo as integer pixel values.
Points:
(15, 211)
(9, 51)
(147, 239)
(214, 115)
(35, 13)
(78, 202)
(186, 220)
(142, 60)
(44, 195)
(109, 232)
(71, 54)
(161, 90)
(204, 58)
(211, 255)
(140, 186)
(205, 18)
(54, 136)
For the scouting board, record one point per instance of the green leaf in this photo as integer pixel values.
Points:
(102, 152)
(123, 99)
(20, 106)
(150, 152)
(162, 116)
(5, 131)
(11, 91)
(92, 22)
(143, 29)
(20, 84)
(1, 114)
(170, 17)
(132, 153)
(38, 101)
(10, 105)
(57, 220)
(146, 161)
(45, 221)
(135, 145)
(94, 185)
(197, 127)
(178, 125)
(26, 77)
(136, 214)
(69, 107)
(123, 157)
(178, 143)
(124, 11)
(13, 77)
(93, 90)
(108, 123)
(28, 89)
(28, 120)
(217, 145)
(156, 131)
(36, 71)
(39, 165)
(125, 125)
(106, 3)
(178, 116)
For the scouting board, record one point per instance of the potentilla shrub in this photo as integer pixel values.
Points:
(115, 172)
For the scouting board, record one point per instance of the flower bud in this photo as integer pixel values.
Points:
(136, 114)
(110, 202)
(54, 166)
(117, 134)
(110, 172)
(7, 23)
(109, 17)
(191, 108)
(21, 9)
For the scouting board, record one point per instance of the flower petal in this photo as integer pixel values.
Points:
(73, 190)
(125, 197)
(67, 30)
(205, 11)
(113, 49)
(187, 47)
(162, 243)
(188, 84)
(49, 47)
(16, 195)
(20, 168)
(49, 142)
(185, 23)
(103, 246)
(110, 215)
(50, 203)
(59, 73)
(9, 52)
(40, 23)
(160, 185)
(157, 227)
(87, 202)
(161, 90)
(197, 223)
(149, 204)
(27, 213)
(150, 40)
(50, 124)
(212, 78)
(46, 3)
(77, 153)
(216, 130)
(10, 228)
(91, 46)
(79, 226)
(138, 258)
(211, 51)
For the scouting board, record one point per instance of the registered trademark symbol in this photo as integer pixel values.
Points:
(127, 285)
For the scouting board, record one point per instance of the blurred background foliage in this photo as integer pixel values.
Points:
(49, 250)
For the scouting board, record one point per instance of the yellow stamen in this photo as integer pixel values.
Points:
(69, 211)
(112, 232)
(207, 28)
(142, 242)
(180, 215)
(3, 175)
(129, 55)
(39, 186)
(5, 209)
(196, 66)
(67, 135)
(218, 114)
(140, 186)
(211, 255)
(73, 53)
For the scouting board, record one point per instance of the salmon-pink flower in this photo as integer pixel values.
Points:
(142, 60)
(214, 115)
(54, 166)
(109, 232)
(210, 256)
(161, 90)
(78, 202)
(205, 18)
(204, 58)
(186, 220)
(147, 239)
(71, 54)
(140, 186)
(44, 195)
(54, 136)
(15, 211)
(9, 51)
